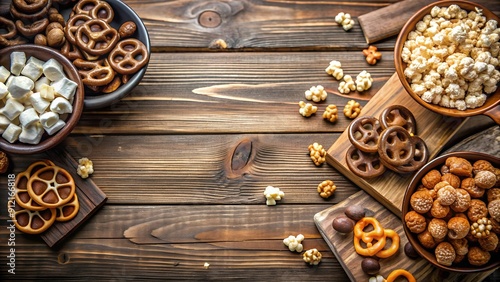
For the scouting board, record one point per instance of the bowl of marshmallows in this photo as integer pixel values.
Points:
(41, 98)
(447, 56)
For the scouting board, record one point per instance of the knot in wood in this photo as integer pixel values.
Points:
(63, 258)
(210, 19)
(241, 155)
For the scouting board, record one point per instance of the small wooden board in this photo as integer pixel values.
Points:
(91, 198)
(433, 128)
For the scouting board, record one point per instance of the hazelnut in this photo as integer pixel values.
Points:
(53, 25)
(55, 38)
(410, 251)
(57, 18)
(355, 212)
(343, 224)
(370, 266)
(40, 39)
(127, 29)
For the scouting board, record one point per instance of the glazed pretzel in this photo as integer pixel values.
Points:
(393, 248)
(363, 164)
(96, 37)
(29, 6)
(33, 29)
(51, 186)
(95, 73)
(364, 134)
(69, 210)
(129, 56)
(9, 26)
(33, 222)
(103, 11)
(84, 7)
(73, 24)
(395, 146)
(30, 16)
(22, 197)
(418, 161)
(400, 272)
(368, 238)
(398, 115)
(70, 51)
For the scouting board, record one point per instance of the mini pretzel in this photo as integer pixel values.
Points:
(115, 83)
(84, 7)
(9, 26)
(364, 134)
(363, 164)
(398, 115)
(51, 186)
(71, 51)
(33, 29)
(22, 196)
(129, 56)
(385, 253)
(33, 222)
(103, 11)
(367, 237)
(371, 249)
(95, 73)
(96, 37)
(395, 146)
(29, 6)
(68, 211)
(73, 24)
(400, 272)
(419, 159)
(30, 16)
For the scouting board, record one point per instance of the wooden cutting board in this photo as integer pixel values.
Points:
(434, 129)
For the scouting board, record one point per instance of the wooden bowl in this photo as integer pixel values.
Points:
(491, 107)
(47, 142)
(464, 266)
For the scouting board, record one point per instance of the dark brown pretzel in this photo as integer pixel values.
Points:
(10, 28)
(71, 51)
(364, 164)
(30, 16)
(96, 37)
(72, 25)
(11, 42)
(398, 115)
(417, 162)
(103, 11)
(129, 56)
(364, 134)
(95, 73)
(29, 6)
(395, 146)
(33, 29)
(84, 7)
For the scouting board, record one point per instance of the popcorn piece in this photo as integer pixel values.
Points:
(347, 85)
(3, 90)
(331, 113)
(53, 70)
(372, 55)
(307, 110)
(345, 20)
(312, 257)
(55, 127)
(317, 153)
(206, 265)
(85, 167)
(293, 243)
(316, 93)
(20, 86)
(61, 106)
(363, 81)
(12, 109)
(28, 117)
(352, 109)
(39, 103)
(11, 133)
(17, 62)
(65, 88)
(272, 195)
(31, 134)
(335, 70)
(4, 74)
(326, 189)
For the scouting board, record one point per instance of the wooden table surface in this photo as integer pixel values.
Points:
(185, 158)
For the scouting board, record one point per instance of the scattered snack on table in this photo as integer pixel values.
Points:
(312, 256)
(293, 243)
(326, 189)
(343, 224)
(335, 70)
(378, 278)
(400, 272)
(352, 109)
(372, 55)
(317, 153)
(347, 85)
(345, 20)
(410, 251)
(370, 266)
(452, 57)
(307, 110)
(363, 81)
(85, 168)
(379, 234)
(331, 113)
(400, 116)
(355, 212)
(206, 265)
(4, 162)
(272, 195)
(316, 94)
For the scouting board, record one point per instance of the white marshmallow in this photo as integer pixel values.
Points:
(9, 80)
(4, 122)
(3, 90)
(55, 128)
(32, 70)
(48, 119)
(28, 117)
(4, 74)
(31, 134)
(40, 82)
(12, 109)
(17, 62)
(20, 86)
(53, 70)
(65, 87)
(11, 133)
(61, 106)
(39, 103)
(47, 92)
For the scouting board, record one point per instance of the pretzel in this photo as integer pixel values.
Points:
(129, 56)
(367, 237)
(103, 11)
(51, 186)
(400, 272)
(9, 26)
(71, 51)
(21, 183)
(385, 253)
(364, 134)
(363, 164)
(96, 37)
(69, 210)
(73, 24)
(84, 7)
(418, 161)
(33, 222)
(395, 147)
(95, 73)
(33, 29)
(30, 16)
(113, 85)
(29, 6)
(398, 115)
(12, 42)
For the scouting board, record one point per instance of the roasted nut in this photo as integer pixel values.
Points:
(372, 55)
(477, 210)
(410, 251)
(485, 179)
(421, 201)
(462, 201)
(4, 162)
(489, 243)
(426, 239)
(445, 254)
(478, 256)
(331, 113)
(431, 178)
(57, 18)
(493, 194)
(446, 195)
(326, 189)
(438, 210)
(355, 212)
(482, 165)
(127, 29)
(458, 227)
(370, 266)
(343, 224)
(452, 179)
(494, 209)
(415, 222)
(352, 109)
(438, 228)
(40, 39)
(469, 185)
(461, 246)
(55, 38)
(459, 166)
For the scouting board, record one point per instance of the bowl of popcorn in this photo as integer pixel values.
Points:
(41, 98)
(451, 212)
(447, 58)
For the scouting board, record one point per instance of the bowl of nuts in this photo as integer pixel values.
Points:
(447, 58)
(41, 98)
(451, 212)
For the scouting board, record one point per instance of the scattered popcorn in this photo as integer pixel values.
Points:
(352, 109)
(316, 94)
(272, 195)
(326, 189)
(307, 110)
(372, 55)
(345, 20)
(363, 81)
(331, 113)
(335, 70)
(312, 256)
(206, 265)
(347, 85)
(293, 243)
(85, 167)
(317, 153)
(378, 278)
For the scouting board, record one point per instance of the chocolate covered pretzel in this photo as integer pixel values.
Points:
(400, 116)
(364, 134)
(364, 164)
(395, 146)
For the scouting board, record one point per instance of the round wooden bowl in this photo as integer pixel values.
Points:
(491, 107)
(47, 142)
(464, 266)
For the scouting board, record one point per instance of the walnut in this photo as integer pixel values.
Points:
(352, 109)
(493, 194)
(372, 55)
(445, 253)
(489, 243)
(462, 201)
(478, 256)
(326, 189)
(438, 228)
(4, 162)
(452, 179)
(482, 165)
(485, 179)
(317, 153)
(494, 209)
(431, 178)
(421, 201)
(331, 113)
(312, 256)
(415, 222)
(477, 210)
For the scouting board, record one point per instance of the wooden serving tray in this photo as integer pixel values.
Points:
(433, 128)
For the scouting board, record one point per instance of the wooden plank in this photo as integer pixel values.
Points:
(433, 128)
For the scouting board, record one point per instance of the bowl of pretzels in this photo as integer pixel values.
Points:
(105, 40)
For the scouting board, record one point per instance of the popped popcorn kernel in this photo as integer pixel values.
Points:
(312, 257)
(85, 167)
(331, 113)
(352, 109)
(335, 70)
(345, 20)
(317, 153)
(347, 85)
(363, 81)
(316, 94)
(293, 243)
(272, 195)
(307, 110)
